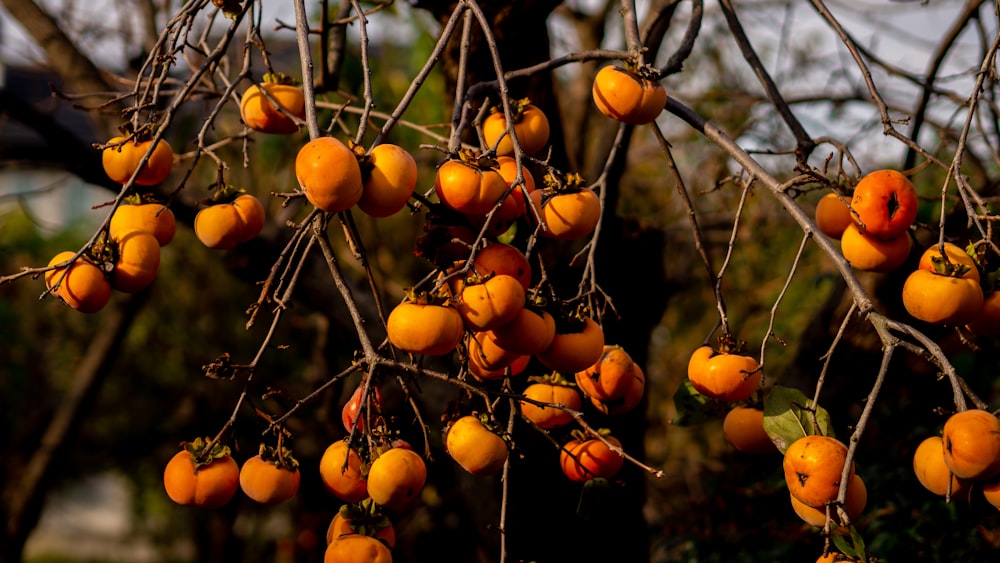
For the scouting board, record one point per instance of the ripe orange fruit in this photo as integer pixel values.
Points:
(813, 466)
(568, 215)
(583, 460)
(832, 215)
(357, 548)
(269, 481)
(885, 204)
(631, 399)
(870, 254)
(138, 261)
(491, 303)
(210, 483)
(610, 377)
(626, 96)
(571, 352)
(224, 225)
(972, 444)
(553, 394)
(531, 127)
(390, 176)
(501, 258)
(854, 505)
(346, 483)
(942, 299)
(530, 332)
(155, 218)
(425, 328)
(469, 188)
(931, 470)
(486, 359)
(260, 114)
(81, 285)
(743, 428)
(329, 174)
(475, 447)
(120, 162)
(514, 205)
(730, 377)
(396, 478)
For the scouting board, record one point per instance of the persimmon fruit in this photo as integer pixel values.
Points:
(813, 466)
(122, 159)
(743, 428)
(261, 114)
(81, 285)
(269, 481)
(885, 204)
(531, 127)
(155, 218)
(971, 440)
(396, 478)
(724, 375)
(329, 174)
(470, 189)
(425, 328)
(931, 470)
(832, 215)
(583, 460)
(357, 548)
(942, 299)
(870, 254)
(626, 96)
(210, 483)
(389, 179)
(571, 352)
(854, 504)
(340, 470)
(568, 215)
(138, 261)
(548, 415)
(476, 448)
(610, 377)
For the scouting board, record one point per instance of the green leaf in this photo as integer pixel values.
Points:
(788, 417)
(843, 546)
(860, 551)
(694, 408)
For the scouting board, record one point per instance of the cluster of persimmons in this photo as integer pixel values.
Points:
(813, 464)
(483, 308)
(947, 288)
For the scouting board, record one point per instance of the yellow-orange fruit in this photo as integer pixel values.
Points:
(972, 444)
(743, 428)
(813, 466)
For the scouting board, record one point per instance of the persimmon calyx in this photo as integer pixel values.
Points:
(559, 183)
(517, 108)
(554, 378)
(204, 451)
(281, 457)
(279, 78)
(438, 296)
(945, 267)
(224, 193)
(365, 517)
(729, 344)
(478, 160)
